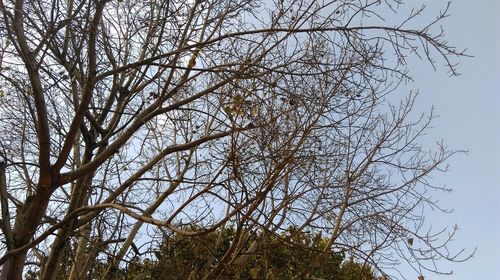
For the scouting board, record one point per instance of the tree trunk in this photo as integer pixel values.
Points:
(79, 198)
(28, 218)
(77, 269)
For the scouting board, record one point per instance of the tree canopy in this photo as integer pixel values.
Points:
(131, 123)
(280, 257)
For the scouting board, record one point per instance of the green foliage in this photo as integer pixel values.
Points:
(291, 254)
(295, 253)
(354, 271)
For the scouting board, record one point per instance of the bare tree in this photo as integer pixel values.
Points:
(125, 121)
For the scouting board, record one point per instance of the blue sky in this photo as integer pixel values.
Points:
(469, 118)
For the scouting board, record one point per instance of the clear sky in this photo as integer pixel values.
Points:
(469, 118)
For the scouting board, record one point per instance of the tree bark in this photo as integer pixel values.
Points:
(79, 198)
(28, 218)
(77, 269)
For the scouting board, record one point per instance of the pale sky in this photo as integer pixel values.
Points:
(468, 107)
